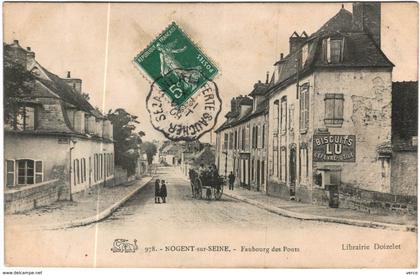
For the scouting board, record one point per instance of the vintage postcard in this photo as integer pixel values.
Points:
(265, 135)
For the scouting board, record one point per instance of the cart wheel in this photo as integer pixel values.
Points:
(218, 193)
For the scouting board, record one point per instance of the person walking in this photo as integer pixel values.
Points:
(157, 191)
(163, 192)
(231, 178)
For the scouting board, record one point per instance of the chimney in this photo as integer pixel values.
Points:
(281, 56)
(266, 79)
(30, 58)
(16, 42)
(75, 83)
(367, 19)
(296, 41)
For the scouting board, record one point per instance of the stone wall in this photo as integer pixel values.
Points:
(277, 189)
(404, 173)
(376, 202)
(30, 197)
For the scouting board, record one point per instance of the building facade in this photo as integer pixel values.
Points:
(330, 114)
(325, 137)
(241, 141)
(56, 143)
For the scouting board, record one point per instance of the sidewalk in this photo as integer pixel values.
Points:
(86, 207)
(305, 211)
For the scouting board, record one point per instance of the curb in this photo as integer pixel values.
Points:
(103, 214)
(309, 217)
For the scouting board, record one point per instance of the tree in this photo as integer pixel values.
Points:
(150, 149)
(127, 141)
(18, 85)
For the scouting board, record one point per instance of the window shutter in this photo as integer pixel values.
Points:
(306, 109)
(328, 51)
(10, 172)
(39, 171)
(342, 50)
(30, 118)
(258, 137)
(338, 108)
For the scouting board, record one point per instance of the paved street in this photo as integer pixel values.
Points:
(189, 222)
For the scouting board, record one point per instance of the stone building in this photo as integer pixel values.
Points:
(241, 141)
(330, 115)
(57, 144)
(404, 138)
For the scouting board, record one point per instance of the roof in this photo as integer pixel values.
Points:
(360, 50)
(58, 86)
(67, 94)
(259, 89)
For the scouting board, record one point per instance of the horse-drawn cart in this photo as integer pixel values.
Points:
(208, 184)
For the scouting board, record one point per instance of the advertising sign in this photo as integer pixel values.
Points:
(334, 148)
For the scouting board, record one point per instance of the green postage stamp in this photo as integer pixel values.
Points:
(176, 65)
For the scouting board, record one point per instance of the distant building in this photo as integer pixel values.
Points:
(57, 144)
(404, 138)
(241, 141)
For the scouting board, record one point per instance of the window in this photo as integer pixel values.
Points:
(25, 171)
(96, 167)
(76, 172)
(263, 136)
(276, 116)
(25, 118)
(252, 169)
(333, 49)
(258, 145)
(283, 118)
(303, 161)
(243, 138)
(10, 172)
(112, 163)
(304, 107)
(39, 172)
(291, 117)
(231, 141)
(83, 169)
(236, 139)
(334, 110)
(101, 166)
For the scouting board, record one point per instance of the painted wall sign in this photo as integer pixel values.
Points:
(335, 148)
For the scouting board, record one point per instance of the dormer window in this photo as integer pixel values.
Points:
(333, 49)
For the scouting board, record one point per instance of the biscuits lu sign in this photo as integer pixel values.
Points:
(183, 101)
(334, 148)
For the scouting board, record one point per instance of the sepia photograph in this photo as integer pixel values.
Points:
(210, 135)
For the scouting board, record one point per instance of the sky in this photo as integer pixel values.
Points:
(97, 42)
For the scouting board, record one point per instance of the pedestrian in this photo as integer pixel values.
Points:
(157, 191)
(163, 191)
(231, 180)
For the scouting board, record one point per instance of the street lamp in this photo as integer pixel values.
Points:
(70, 169)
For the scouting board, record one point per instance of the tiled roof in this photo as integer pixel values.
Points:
(67, 94)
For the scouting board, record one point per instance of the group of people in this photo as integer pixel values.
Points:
(160, 191)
